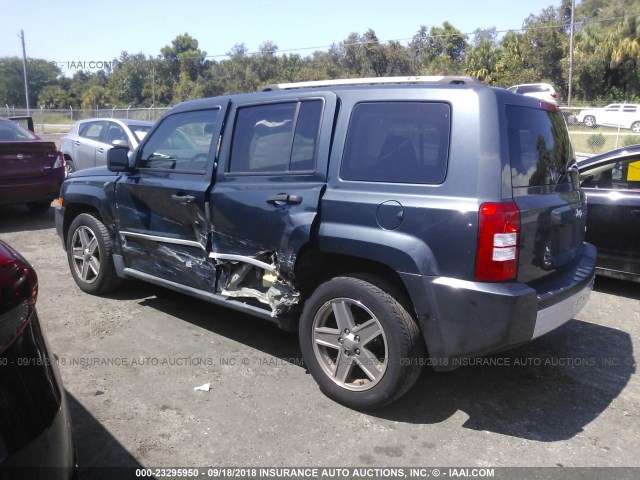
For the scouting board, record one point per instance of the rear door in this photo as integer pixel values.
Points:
(85, 147)
(551, 204)
(272, 173)
(613, 220)
(612, 115)
(161, 207)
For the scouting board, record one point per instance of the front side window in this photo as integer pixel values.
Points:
(539, 146)
(280, 137)
(399, 142)
(621, 175)
(115, 132)
(182, 142)
(140, 131)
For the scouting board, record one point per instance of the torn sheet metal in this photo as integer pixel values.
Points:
(255, 277)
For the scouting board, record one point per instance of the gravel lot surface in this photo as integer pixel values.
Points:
(130, 362)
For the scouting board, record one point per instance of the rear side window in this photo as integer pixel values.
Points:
(280, 137)
(398, 142)
(539, 146)
(91, 130)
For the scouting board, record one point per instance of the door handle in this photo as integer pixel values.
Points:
(635, 213)
(284, 198)
(183, 199)
(76, 143)
(101, 150)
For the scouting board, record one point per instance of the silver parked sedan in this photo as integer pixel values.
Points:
(88, 141)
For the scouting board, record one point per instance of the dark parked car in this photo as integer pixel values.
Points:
(88, 142)
(374, 219)
(612, 184)
(31, 169)
(35, 431)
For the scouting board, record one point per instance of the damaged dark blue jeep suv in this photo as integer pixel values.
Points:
(394, 222)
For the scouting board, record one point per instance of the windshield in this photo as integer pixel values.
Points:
(539, 146)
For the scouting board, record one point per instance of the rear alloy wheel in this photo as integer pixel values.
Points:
(39, 207)
(635, 127)
(359, 343)
(589, 121)
(89, 251)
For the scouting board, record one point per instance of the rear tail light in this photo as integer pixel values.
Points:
(498, 242)
(18, 293)
(59, 161)
(550, 107)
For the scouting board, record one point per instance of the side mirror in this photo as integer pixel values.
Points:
(120, 143)
(118, 159)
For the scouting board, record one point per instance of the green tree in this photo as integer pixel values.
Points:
(94, 98)
(128, 84)
(482, 57)
(439, 51)
(53, 96)
(181, 62)
(40, 74)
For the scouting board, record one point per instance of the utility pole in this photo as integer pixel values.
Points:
(24, 69)
(153, 83)
(572, 32)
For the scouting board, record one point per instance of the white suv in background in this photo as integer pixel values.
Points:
(623, 115)
(543, 91)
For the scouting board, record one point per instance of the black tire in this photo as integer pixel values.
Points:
(39, 207)
(393, 336)
(590, 121)
(69, 166)
(635, 127)
(89, 251)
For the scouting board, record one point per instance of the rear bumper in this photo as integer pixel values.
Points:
(34, 189)
(466, 319)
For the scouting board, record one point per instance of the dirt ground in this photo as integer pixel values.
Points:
(130, 362)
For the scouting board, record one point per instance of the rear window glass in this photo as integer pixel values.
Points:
(10, 131)
(398, 142)
(539, 146)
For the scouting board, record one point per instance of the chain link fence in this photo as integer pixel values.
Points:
(60, 121)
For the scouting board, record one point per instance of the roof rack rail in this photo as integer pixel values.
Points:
(441, 79)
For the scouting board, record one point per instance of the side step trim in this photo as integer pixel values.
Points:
(202, 295)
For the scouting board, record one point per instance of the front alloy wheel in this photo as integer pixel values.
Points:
(86, 254)
(89, 251)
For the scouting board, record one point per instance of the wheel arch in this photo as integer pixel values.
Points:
(72, 211)
(314, 267)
